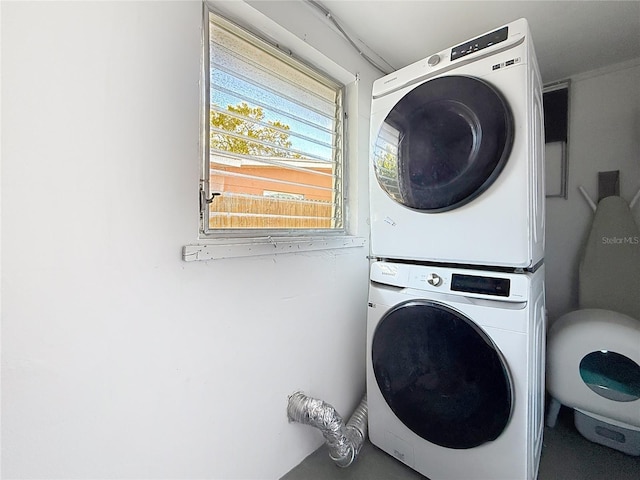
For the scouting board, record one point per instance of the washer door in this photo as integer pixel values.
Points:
(441, 375)
(444, 143)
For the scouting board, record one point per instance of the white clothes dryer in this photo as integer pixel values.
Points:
(455, 370)
(457, 145)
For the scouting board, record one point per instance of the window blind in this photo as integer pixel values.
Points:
(275, 137)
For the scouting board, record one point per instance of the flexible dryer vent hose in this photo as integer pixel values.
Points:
(343, 441)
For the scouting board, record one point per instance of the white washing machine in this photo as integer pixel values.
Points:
(457, 145)
(455, 370)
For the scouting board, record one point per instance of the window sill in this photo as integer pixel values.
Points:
(266, 246)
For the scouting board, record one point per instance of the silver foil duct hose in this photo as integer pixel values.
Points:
(343, 441)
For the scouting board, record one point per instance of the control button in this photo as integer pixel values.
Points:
(433, 60)
(434, 279)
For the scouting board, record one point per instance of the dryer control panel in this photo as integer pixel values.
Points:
(479, 43)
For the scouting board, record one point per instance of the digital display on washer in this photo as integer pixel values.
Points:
(483, 285)
(479, 43)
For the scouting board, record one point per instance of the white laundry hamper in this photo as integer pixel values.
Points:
(593, 354)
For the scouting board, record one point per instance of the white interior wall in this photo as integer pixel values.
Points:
(604, 135)
(119, 360)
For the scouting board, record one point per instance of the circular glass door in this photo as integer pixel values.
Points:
(611, 375)
(444, 143)
(441, 375)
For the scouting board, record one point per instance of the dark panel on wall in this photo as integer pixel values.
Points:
(556, 115)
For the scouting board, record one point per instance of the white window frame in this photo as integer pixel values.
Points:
(250, 242)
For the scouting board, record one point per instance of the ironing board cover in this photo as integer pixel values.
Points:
(610, 266)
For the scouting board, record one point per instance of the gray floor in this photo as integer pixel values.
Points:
(566, 455)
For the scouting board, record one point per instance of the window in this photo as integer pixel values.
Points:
(273, 156)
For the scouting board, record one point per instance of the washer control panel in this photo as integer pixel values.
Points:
(485, 285)
(503, 286)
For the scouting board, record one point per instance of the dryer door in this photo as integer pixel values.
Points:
(444, 143)
(441, 375)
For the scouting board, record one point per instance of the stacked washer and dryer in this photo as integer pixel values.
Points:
(456, 318)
